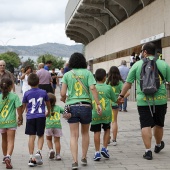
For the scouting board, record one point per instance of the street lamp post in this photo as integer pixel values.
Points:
(5, 44)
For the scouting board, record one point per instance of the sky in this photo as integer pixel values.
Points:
(32, 22)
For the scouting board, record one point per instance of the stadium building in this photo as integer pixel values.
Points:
(112, 29)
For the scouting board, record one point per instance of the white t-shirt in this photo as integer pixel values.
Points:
(25, 86)
(60, 74)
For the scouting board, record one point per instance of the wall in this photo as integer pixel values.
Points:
(143, 24)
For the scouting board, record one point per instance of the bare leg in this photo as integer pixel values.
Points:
(31, 144)
(40, 142)
(74, 135)
(114, 124)
(4, 143)
(57, 144)
(10, 141)
(106, 138)
(97, 140)
(158, 134)
(147, 137)
(85, 139)
(49, 142)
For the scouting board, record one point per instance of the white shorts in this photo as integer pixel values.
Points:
(4, 130)
(54, 132)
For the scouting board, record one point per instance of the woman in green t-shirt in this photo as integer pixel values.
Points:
(79, 103)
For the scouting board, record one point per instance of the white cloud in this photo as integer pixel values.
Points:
(33, 22)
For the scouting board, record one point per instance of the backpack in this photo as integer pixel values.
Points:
(149, 78)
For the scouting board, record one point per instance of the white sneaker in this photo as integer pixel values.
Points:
(52, 154)
(114, 143)
(58, 157)
(38, 158)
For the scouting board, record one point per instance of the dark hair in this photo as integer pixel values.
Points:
(137, 58)
(77, 60)
(33, 79)
(133, 54)
(27, 67)
(114, 76)
(5, 86)
(100, 74)
(48, 62)
(52, 99)
(149, 47)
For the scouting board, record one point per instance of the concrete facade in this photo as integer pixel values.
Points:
(151, 20)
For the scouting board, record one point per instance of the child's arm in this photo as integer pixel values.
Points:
(48, 108)
(20, 117)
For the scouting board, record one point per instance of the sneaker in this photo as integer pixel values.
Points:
(84, 161)
(148, 155)
(58, 157)
(32, 162)
(97, 156)
(7, 160)
(3, 160)
(159, 148)
(114, 143)
(75, 165)
(52, 154)
(125, 110)
(38, 158)
(105, 153)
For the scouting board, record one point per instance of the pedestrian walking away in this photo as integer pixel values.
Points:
(9, 103)
(151, 108)
(78, 82)
(106, 96)
(115, 80)
(53, 128)
(34, 102)
(124, 70)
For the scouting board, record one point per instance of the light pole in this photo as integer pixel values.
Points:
(5, 44)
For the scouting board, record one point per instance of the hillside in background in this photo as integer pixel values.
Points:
(55, 49)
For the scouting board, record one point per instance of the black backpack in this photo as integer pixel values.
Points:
(149, 78)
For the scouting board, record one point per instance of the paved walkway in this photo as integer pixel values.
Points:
(127, 155)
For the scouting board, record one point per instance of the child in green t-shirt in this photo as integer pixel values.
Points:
(9, 103)
(53, 128)
(115, 80)
(106, 96)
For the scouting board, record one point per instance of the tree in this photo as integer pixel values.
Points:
(12, 60)
(57, 62)
(29, 62)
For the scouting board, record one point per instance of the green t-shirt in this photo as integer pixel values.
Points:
(76, 92)
(54, 121)
(117, 89)
(106, 96)
(160, 97)
(8, 110)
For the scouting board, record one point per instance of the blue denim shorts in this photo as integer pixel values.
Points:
(115, 107)
(82, 114)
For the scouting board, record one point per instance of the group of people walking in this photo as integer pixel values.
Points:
(91, 102)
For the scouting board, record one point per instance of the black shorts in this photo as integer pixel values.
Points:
(146, 119)
(47, 87)
(35, 126)
(98, 127)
